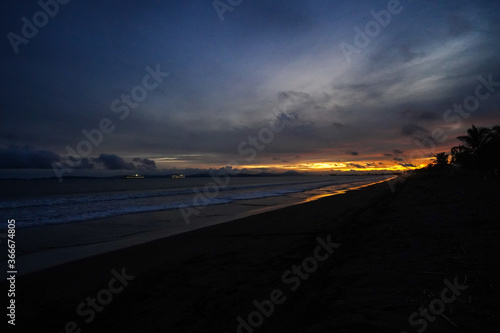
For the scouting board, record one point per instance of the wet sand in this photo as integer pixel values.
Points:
(50, 245)
(396, 249)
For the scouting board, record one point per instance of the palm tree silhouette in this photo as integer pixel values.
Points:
(460, 156)
(476, 139)
(480, 150)
(441, 159)
(492, 150)
(440, 165)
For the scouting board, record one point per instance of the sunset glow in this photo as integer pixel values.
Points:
(326, 167)
(265, 86)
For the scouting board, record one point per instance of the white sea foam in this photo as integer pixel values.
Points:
(83, 207)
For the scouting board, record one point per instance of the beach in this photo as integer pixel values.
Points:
(235, 166)
(362, 261)
(61, 222)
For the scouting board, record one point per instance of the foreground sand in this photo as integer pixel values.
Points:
(396, 250)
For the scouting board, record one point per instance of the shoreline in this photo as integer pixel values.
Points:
(396, 249)
(42, 247)
(292, 227)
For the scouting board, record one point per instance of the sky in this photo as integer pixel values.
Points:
(328, 86)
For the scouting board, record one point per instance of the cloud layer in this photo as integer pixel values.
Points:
(268, 61)
(28, 158)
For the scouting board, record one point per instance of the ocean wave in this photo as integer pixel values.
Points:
(58, 210)
(54, 201)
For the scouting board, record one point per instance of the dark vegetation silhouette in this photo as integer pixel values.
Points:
(477, 155)
(441, 159)
(440, 166)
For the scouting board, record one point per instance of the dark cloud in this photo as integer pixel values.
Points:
(113, 162)
(414, 115)
(306, 118)
(279, 159)
(412, 129)
(294, 97)
(144, 163)
(78, 163)
(26, 158)
(291, 104)
(358, 166)
(354, 153)
(397, 152)
(399, 159)
(417, 123)
(407, 165)
(407, 54)
(338, 125)
(388, 155)
(287, 117)
(214, 100)
(109, 162)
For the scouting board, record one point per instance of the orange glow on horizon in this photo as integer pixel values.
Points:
(332, 167)
(326, 166)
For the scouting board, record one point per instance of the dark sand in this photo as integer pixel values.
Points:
(396, 250)
(42, 247)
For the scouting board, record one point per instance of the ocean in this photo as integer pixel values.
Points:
(43, 202)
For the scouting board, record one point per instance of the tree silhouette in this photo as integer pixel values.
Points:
(440, 166)
(476, 139)
(461, 156)
(492, 151)
(480, 151)
(441, 159)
